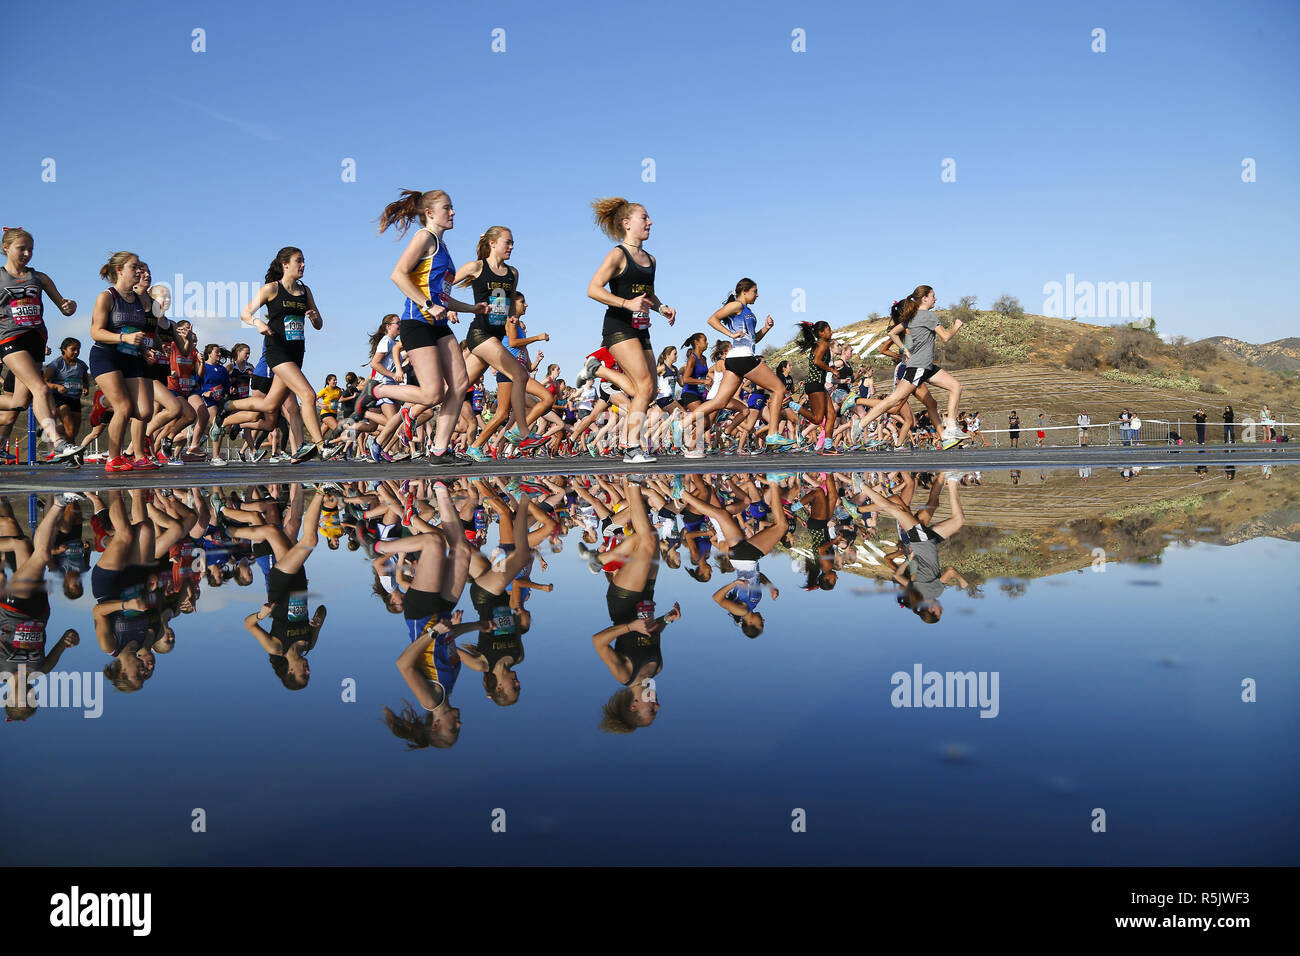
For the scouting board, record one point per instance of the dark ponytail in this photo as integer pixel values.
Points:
(809, 333)
(275, 271)
(744, 285)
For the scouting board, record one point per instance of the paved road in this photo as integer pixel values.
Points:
(57, 477)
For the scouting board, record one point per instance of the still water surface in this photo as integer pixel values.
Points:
(1109, 621)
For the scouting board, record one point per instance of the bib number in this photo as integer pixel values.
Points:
(640, 320)
(126, 348)
(500, 308)
(503, 622)
(293, 329)
(185, 384)
(29, 634)
(26, 312)
(298, 608)
(645, 610)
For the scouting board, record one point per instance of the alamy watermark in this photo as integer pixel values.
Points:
(1097, 300)
(207, 300)
(922, 688)
(69, 690)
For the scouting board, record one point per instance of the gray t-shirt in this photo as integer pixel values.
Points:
(920, 339)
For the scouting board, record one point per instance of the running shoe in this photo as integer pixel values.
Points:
(144, 464)
(400, 456)
(279, 458)
(329, 450)
(63, 451)
(367, 396)
(167, 461)
(531, 440)
(193, 455)
(477, 453)
(120, 463)
(446, 457)
(169, 447)
(779, 441)
(636, 456)
(68, 498)
(218, 460)
(8, 458)
(694, 453)
(304, 451)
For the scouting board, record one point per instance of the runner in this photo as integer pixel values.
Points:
(815, 339)
(424, 274)
(494, 283)
(737, 320)
(629, 271)
(921, 326)
(23, 335)
(289, 305)
(69, 379)
(118, 329)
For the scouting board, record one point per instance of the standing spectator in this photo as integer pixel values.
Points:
(1013, 423)
(1125, 431)
(1042, 431)
(1229, 436)
(1199, 418)
(1135, 430)
(1266, 419)
(1084, 423)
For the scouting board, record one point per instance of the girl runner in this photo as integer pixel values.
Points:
(23, 335)
(69, 378)
(629, 271)
(737, 320)
(494, 283)
(425, 274)
(289, 305)
(921, 326)
(117, 327)
(166, 407)
(816, 340)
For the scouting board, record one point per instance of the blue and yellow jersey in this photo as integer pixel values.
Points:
(433, 277)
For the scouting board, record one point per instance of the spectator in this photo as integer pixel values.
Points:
(1199, 418)
(1266, 419)
(1013, 423)
(1084, 423)
(1125, 429)
(1135, 430)
(1229, 436)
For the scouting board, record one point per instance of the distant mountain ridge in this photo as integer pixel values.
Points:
(1281, 355)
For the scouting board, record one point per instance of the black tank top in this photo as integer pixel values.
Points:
(639, 649)
(634, 280)
(496, 291)
(286, 315)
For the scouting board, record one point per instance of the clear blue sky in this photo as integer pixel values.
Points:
(817, 170)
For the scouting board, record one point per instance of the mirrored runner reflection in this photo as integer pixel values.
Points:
(677, 646)
(458, 565)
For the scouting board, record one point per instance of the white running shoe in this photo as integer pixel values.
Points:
(635, 456)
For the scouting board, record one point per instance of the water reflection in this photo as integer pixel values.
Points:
(463, 562)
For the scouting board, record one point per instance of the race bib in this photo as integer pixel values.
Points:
(27, 311)
(73, 387)
(126, 348)
(242, 389)
(500, 307)
(503, 622)
(297, 608)
(293, 329)
(29, 634)
(645, 610)
(185, 383)
(640, 320)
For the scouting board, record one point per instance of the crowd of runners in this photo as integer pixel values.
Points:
(429, 544)
(160, 396)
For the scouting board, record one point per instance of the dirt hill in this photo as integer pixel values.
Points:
(1034, 363)
(1282, 355)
